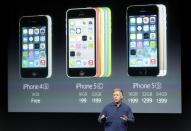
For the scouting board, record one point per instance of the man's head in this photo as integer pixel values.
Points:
(117, 95)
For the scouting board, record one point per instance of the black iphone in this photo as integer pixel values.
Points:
(143, 40)
(81, 42)
(35, 46)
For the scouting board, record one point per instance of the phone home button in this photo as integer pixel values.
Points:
(34, 74)
(82, 73)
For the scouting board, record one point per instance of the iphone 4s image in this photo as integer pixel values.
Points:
(35, 46)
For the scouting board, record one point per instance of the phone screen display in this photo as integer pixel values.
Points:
(143, 41)
(81, 43)
(33, 40)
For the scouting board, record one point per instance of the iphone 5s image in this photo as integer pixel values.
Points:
(143, 40)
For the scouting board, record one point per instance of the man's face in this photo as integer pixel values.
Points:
(117, 96)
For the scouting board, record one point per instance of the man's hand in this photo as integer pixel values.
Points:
(125, 118)
(103, 118)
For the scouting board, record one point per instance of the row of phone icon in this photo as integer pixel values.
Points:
(88, 42)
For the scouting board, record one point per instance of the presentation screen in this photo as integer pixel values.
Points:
(61, 60)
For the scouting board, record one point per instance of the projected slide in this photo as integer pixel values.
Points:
(66, 59)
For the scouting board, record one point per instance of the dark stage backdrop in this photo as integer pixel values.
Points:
(88, 121)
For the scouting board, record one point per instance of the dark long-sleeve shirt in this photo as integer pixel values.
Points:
(113, 113)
